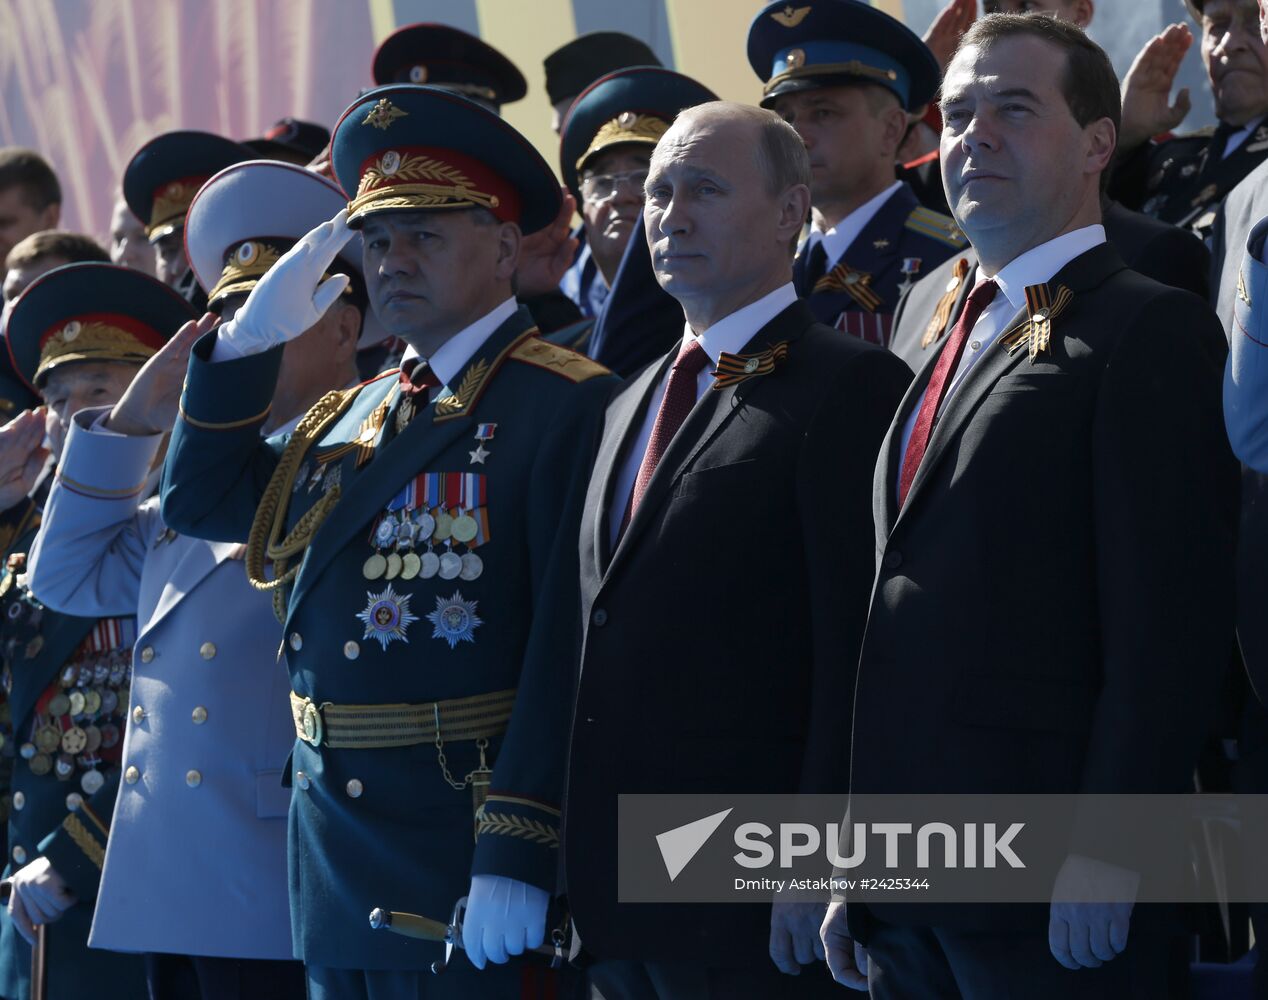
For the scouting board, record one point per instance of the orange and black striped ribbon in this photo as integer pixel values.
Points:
(735, 368)
(942, 312)
(1041, 308)
(857, 284)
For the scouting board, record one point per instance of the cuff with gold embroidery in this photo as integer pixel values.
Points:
(518, 838)
(229, 395)
(77, 848)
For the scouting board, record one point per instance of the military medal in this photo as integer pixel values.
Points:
(74, 740)
(40, 764)
(450, 565)
(48, 739)
(454, 619)
(472, 567)
(910, 268)
(64, 767)
(484, 432)
(387, 617)
(59, 704)
(429, 565)
(76, 703)
(92, 782)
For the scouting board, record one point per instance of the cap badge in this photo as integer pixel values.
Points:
(418, 74)
(71, 330)
(790, 17)
(247, 254)
(626, 119)
(383, 114)
(390, 162)
(795, 59)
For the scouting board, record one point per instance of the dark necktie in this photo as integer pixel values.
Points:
(940, 381)
(680, 397)
(816, 268)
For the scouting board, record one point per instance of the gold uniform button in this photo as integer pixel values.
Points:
(355, 788)
(131, 775)
(19, 800)
(147, 654)
(199, 715)
(138, 715)
(297, 641)
(19, 854)
(301, 779)
(351, 650)
(193, 779)
(207, 650)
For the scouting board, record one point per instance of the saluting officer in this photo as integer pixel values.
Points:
(605, 146)
(422, 536)
(844, 75)
(159, 183)
(77, 335)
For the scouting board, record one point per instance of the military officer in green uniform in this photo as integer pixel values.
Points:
(78, 334)
(845, 75)
(420, 534)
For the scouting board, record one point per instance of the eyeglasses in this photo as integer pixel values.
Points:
(598, 188)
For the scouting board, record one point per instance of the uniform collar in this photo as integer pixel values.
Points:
(837, 240)
(1038, 264)
(455, 352)
(732, 332)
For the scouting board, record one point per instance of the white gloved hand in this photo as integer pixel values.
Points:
(39, 896)
(291, 297)
(504, 917)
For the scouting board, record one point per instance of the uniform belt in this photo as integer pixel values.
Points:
(367, 727)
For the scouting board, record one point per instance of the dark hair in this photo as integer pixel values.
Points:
(25, 168)
(74, 247)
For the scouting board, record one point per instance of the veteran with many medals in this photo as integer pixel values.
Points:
(418, 534)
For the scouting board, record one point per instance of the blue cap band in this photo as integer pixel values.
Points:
(836, 58)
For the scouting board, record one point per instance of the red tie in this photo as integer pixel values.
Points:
(417, 380)
(982, 295)
(680, 397)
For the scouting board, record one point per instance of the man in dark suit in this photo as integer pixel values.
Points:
(1055, 514)
(745, 453)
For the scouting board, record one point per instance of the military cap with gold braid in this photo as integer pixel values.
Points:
(91, 312)
(448, 57)
(248, 215)
(408, 148)
(826, 43)
(165, 174)
(633, 106)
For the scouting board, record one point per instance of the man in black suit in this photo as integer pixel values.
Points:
(726, 559)
(1055, 514)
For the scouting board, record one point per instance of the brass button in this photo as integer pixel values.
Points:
(193, 779)
(131, 775)
(207, 650)
(138, 714)
(199, 715)
(351, 650)
(301, 779)
(297, 641)
(355, 788)
(19, 854)
(19, 800)
(147, 654)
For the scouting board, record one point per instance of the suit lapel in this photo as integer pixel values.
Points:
(432, 430)
(707, 419)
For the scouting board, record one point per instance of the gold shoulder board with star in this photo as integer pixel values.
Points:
(936, 226)
(560, 360)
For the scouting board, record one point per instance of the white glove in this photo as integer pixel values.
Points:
(288, 300)
(39, 896)
(504, 917)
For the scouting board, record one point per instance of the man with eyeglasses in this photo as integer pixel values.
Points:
(845, 76)
(605, 146)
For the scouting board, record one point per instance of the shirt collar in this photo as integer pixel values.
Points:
(455, 352)
(1039, 264)
(1235, 139)
(730, 334)
(838, 239)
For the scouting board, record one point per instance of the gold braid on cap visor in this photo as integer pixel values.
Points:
(625, 127)
(91, 341)
(406, 180)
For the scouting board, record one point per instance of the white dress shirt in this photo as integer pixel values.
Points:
(1236, 139)
(1035, 267)
(837, 240)
(728, 335)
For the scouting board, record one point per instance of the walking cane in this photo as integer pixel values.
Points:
(39, 963)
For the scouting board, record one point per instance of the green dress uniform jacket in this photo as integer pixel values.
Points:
(382, 826)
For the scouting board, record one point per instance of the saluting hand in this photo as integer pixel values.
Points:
(548, 253)
(847, 961)
(22, 455)
(1147, 107)
(151, 402)
(291, 297)
(39, 896)
(948, 28)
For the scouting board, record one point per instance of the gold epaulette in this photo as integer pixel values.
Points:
(560, 360)
(936, 226)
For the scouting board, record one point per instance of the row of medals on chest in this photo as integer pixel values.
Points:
(82, 717)
(397, 533)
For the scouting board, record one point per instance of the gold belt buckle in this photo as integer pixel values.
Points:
(314, 728)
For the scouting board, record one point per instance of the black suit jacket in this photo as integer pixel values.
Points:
(1053, 610)
(720, 637)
